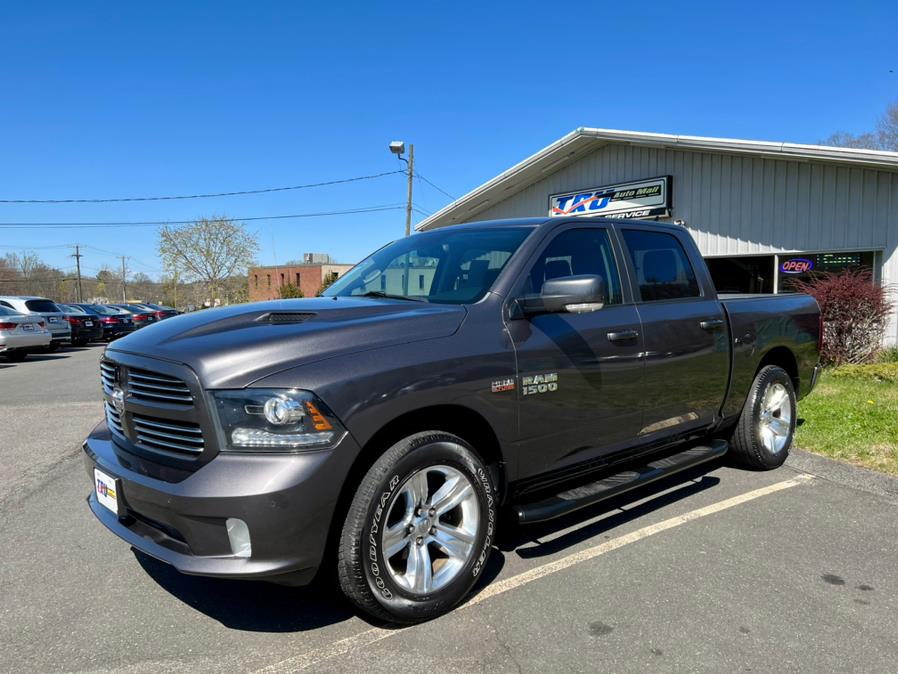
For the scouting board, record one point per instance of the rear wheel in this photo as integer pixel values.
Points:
(52, 346)
(16, 355)
(764, 433)
(419, 530)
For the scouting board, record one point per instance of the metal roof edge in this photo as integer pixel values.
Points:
(795, 151)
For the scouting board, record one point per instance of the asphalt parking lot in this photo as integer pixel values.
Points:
(721, 570)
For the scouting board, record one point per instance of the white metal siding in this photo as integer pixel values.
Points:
(737, 205)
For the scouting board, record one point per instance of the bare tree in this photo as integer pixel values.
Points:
(887, 129)
(884, 138)
(209, 251)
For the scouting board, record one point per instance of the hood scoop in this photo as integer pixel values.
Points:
(284, 317)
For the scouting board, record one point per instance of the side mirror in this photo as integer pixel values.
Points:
(568, 294)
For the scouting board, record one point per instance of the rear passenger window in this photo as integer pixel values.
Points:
(576, 252)
(41, 305)
(663, 271)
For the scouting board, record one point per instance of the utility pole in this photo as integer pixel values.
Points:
(397, 147)
(124, 297)
(411, 175)
(77, 257)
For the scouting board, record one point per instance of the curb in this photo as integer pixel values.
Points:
(862, 479)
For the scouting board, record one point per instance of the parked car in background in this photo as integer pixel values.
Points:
(20, 333)
(85, 324)
(142, 316)
(113, 321)
(60, 331)
(162, 312)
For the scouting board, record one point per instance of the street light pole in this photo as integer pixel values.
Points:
(397, 147)
(411, 176)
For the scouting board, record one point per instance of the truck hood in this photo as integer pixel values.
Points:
(232, 347)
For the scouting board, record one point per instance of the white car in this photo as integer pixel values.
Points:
(41, 307)
(19, 332)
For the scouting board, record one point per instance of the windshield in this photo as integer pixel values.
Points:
(4, 311)
(451, 266)
(72, 309)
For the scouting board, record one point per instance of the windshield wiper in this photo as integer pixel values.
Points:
(388, 296)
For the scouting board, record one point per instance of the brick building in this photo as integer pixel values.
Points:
(265, 282)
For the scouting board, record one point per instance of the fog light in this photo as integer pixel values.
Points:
(238, 535)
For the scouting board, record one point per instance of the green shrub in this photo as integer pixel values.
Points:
(881, 372)
(289, 290)
(888, 355)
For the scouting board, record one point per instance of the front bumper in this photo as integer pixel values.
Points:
(287, 502)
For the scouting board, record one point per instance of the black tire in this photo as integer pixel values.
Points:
(52, 346)
(16, 355)
(363, 572)
(750, 444)
(79, 342)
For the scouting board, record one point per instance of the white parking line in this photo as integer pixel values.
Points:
(343, 646)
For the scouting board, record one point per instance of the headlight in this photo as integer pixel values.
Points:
(275, 420)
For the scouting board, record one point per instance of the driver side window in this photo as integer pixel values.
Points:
(576, 252)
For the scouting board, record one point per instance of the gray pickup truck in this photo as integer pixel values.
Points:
(529, 367)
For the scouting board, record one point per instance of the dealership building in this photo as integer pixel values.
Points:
(762, 213)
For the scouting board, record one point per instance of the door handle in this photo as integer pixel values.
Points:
(622, 336)
(712, 324)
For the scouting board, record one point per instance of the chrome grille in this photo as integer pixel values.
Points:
(167, 435)
(154, 387)
(114, 420)
(107, 376)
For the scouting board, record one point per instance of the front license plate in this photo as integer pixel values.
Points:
(106, 489)
(88, 324)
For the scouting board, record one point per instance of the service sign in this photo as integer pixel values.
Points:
(641, 199)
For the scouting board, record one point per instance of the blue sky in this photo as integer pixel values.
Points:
(127, 99)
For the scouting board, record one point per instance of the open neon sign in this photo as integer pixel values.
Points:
(797, 265)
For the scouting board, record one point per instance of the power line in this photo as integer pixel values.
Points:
(200, 196)
(158, 223)
(436, 187)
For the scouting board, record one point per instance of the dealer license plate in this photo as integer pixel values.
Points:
(107, 490)
(53, 319)
(28, 327)
(88, 324)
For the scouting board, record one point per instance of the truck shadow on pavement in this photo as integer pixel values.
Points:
(256, 606)
(252, 606)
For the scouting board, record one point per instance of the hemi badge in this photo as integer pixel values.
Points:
(503, 385)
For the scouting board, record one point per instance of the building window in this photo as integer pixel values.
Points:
(282, 279)
(257, 280)
(297, 280)
(804, 266)
(420, 281)
(744, 274)
(269, 280)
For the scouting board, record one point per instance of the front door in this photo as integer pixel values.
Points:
(579, 374)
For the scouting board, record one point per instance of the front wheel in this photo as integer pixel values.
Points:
(16, 355)
(419, 530)
(764, 433)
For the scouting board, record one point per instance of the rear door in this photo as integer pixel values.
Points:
(579, 374)
(686, 338)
